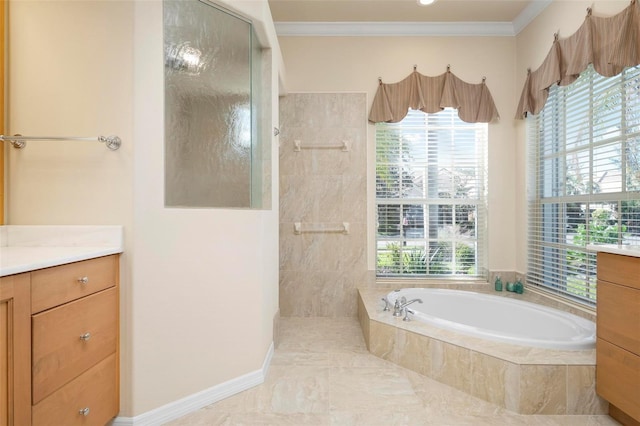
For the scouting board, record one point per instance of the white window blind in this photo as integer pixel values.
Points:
(430, 196)
(584, 178)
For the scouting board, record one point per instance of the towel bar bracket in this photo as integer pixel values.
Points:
(112, 142)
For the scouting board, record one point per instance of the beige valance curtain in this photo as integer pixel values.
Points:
(610, 44)
(432, 94)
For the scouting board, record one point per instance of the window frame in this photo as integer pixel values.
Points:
(453, 206)
(565, 213)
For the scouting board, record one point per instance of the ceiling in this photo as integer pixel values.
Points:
(505, 11)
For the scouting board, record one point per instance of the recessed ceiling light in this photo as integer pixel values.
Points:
(425, 2)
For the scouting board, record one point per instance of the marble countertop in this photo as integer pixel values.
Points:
(625, 250)
(27, 248)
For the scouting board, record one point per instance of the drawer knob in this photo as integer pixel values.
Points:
(84, 411)
(85, 337)
(83, 280)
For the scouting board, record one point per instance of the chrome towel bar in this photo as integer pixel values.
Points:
(18, 141)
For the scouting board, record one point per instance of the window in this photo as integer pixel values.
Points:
(584, 178)
(430, 196)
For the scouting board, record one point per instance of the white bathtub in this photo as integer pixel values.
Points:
(499, 318)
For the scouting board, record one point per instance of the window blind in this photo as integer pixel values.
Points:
(430, 196)
(584, 178)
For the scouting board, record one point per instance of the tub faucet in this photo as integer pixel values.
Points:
(399, 306)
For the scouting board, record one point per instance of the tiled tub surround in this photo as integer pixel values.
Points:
(521, 379)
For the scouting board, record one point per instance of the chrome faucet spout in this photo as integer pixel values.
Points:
(399, 306)
(405, 304)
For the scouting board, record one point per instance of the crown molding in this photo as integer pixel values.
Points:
(435, 29)
(529, 13)
(372, 29)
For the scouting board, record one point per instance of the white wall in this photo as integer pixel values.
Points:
(532, 46)
(353, 64)
(193, 315)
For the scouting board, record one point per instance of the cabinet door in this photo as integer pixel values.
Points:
(71, 338)
(618, 320)
(90, 399)
(58, 285)
(618, 269)
(15, 350)
(618, 377)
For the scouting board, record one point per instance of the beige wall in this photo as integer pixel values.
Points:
(193, 314)
(532, 46)
(353, 64)
(70, 74)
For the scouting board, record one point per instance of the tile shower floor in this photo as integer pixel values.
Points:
(322, 374)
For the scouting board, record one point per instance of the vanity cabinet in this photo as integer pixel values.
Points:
(618, 335)
(59, 347)
(15, 356)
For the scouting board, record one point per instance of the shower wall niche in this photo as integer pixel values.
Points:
(215, 152)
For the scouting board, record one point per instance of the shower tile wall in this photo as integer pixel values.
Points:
(322, 188)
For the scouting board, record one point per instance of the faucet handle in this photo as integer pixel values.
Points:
(407, 311)
(386, 304)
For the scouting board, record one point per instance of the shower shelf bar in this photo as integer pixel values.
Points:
(343, 228)
(343, 146)
(18, 141)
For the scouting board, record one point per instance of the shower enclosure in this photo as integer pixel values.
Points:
(213, 72)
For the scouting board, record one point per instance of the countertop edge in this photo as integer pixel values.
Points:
(39, 259)
(625, 250)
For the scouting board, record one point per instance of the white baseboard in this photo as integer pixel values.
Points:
(191, 403)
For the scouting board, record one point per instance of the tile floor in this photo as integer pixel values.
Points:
(322, 374)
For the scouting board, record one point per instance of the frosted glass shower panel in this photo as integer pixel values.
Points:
(208, 106)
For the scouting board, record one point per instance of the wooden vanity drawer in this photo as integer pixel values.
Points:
(95, 390)
(54, 286)
(618, 377)
(618, 269)
(59, 353)
(618, 319)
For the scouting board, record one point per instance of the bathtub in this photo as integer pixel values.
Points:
(499, 318)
